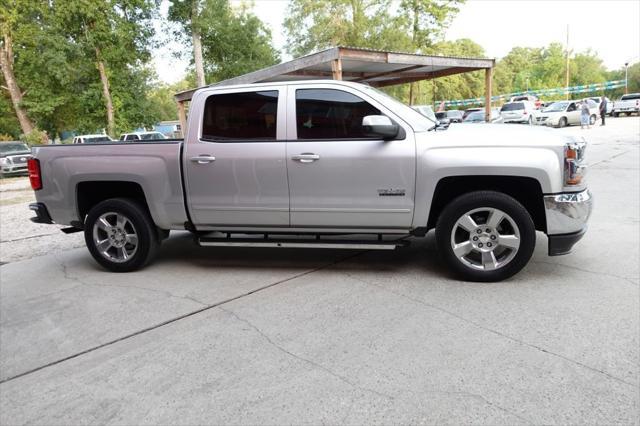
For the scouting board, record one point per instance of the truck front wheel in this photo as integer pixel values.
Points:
(485, 236)
(120, 235)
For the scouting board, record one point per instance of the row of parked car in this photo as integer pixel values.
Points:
(530, 110)
(125, 137)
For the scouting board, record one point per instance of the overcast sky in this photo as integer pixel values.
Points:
(609, 27)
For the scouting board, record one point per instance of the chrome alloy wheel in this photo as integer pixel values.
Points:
(115, 237)
(485, 239)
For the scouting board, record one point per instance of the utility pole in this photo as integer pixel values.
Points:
(626, 88)
(567, 71)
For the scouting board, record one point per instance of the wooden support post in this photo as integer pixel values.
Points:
(182, 117)
(336, 69)
(488, 73)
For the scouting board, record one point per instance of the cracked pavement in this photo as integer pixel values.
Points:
(248, 336)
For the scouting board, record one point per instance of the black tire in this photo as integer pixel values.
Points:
(615, 114)
(148, 239)
(562, 122)
(459, 207)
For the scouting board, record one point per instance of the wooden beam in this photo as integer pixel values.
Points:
(319, 73)
(419, 77)
(488, 74)
(182, 117)
(382, 74)
(336, 69)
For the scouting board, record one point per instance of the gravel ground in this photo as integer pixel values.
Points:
(19, 237)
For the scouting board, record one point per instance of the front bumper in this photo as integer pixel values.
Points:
(567, 215)
(14, 169)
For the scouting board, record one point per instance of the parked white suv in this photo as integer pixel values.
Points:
(628, 104)
(518, 112)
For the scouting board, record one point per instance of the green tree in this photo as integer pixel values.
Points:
(234, 41)
(188, 14)
(313, 25)
(117, 35)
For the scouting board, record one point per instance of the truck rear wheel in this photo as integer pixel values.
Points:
(120, 235)
(485, 236)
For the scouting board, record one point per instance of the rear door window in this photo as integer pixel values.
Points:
(331, 114)
(240, 116)
(630, 97)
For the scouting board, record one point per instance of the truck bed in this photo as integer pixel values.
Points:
(154, 165)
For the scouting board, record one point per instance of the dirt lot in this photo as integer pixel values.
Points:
(259, 336)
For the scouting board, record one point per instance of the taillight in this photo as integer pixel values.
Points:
(33, 166)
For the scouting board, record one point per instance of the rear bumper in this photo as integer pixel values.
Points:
(567, 215)
(42, 214)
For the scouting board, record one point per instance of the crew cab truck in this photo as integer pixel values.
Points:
(321, 164)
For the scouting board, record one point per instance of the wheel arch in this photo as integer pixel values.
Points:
(90, 193)
(526, 190)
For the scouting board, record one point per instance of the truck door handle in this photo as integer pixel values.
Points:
(203, 159)
(306, 157)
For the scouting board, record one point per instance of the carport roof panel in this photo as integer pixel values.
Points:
(375, 67)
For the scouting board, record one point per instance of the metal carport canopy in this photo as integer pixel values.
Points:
(374, 67)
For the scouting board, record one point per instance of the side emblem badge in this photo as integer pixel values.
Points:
(391, 192)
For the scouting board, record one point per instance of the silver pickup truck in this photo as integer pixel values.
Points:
(325, 164)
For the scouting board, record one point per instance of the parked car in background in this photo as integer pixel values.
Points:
(518, 112)
(455, 115)
(598, 100)
(565, 113)
(442, 118)
(469, 111)
(142, 136)
(478, 116)
(292, 164)
(628, 104)
(537, 103)
(92, 139)
(13, 158)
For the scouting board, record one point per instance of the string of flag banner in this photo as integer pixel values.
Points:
(608, 85)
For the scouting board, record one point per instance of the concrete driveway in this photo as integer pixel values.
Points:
(248, 336)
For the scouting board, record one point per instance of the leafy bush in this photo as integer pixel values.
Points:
(36, 137)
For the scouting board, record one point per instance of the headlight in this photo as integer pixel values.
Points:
(574, 169)
(4, 161)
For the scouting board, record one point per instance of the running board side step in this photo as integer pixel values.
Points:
(302, 243)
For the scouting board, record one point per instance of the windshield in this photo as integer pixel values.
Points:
(513, 107)
(97, 139)
(556, 107)
(454, 113)
(151, 136)
(405, 110)
(630, 97)
(13, 147)
(427, 112)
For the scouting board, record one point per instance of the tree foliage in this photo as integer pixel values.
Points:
(234, 40)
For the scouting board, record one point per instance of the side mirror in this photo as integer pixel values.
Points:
(379, 126)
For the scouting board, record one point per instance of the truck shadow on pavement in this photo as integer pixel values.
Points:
(422, 254)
